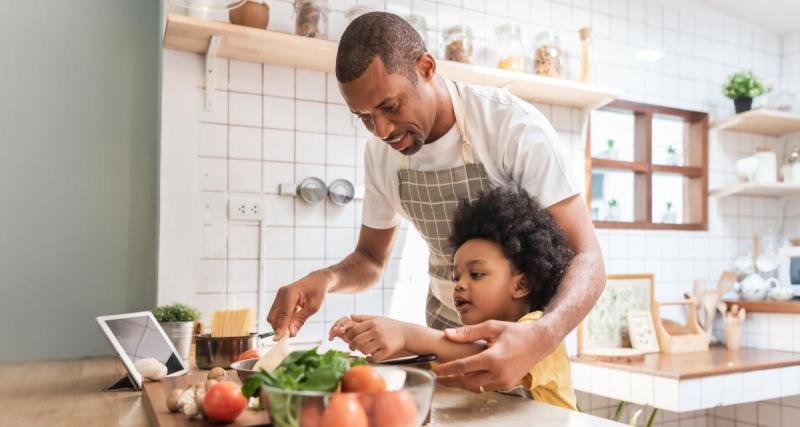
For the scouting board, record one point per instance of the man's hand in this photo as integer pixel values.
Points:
(513, 349)
(296, 302)
(379, 337)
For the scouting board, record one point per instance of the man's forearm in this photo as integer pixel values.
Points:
(579, 289)
(356, 272)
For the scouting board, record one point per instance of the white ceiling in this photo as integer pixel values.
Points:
(780, 16)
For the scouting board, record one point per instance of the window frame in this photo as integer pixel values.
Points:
(643, 168)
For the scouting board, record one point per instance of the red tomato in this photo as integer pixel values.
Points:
(395, 409)
(363, 379)
(224, 402)
(249, 354)
(367, 401)
(311, 412)
(344, 411)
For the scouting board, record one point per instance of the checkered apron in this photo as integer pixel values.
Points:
(430, 199)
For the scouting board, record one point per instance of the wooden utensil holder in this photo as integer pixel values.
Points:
(695, 339)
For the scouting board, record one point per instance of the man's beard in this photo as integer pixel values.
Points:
(416, 145)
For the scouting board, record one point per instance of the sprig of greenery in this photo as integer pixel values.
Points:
(176, 313)
(744, 84)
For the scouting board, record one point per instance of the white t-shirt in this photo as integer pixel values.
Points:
(516, 144)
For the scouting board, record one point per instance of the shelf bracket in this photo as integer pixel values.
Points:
(211, 70)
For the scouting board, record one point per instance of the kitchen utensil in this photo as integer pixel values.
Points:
(755, 288)
(694, 340)
(417, 389)
(312, 190)
(341, 192)
(709, 299)
(211, 352)
(733, 326)
(253, 13)
(746, 168)
(412, 360)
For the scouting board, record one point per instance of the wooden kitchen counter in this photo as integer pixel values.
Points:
(69, 393)
(715, 361)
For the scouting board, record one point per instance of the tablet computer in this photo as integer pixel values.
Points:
(137, 336)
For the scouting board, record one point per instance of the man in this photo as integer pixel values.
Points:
(436, 143)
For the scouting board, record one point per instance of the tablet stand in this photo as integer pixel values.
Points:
(125, 383)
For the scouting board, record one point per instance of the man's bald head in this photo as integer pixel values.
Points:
(383, 35)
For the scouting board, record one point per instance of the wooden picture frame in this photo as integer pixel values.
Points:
(606, 323)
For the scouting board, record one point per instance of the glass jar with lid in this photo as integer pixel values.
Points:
(548, 55)
(311, 18)
(419, 24)
(458, 44)
(509, 47)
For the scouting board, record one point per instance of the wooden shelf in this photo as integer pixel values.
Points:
(270, 47)
(778, 189)
(761, 121)
(791, 306)
(714, 361)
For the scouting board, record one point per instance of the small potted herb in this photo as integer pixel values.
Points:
(672, 155)
(610, 152)
(669, 216)
(613, 210)
(742, 87)
(177, 320)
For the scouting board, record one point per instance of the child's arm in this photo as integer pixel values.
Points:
(385, 338)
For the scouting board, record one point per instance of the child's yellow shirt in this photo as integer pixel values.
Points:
(550, 381)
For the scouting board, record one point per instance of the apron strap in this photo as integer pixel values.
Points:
(459, 110)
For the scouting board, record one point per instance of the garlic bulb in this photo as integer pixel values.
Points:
(151, 369)
(274, 356)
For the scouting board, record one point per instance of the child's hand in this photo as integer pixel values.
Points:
(339, 328)
(379, 337)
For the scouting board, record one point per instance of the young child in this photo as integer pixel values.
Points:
(510, 257)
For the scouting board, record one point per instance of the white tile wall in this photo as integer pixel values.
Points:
(275, 125)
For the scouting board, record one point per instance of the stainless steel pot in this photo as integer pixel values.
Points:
(211, 352)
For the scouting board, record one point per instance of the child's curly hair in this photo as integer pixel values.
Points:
(529, 237)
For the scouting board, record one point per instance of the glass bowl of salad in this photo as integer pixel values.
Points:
(310, 389)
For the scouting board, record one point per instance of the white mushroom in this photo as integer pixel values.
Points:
(151, 369)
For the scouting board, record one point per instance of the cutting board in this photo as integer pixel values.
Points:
(154, 395)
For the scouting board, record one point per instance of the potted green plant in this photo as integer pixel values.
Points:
(669, 216)
(613, 210)
(177, 320)
(672, 155)
(742, 87)
(610, 152)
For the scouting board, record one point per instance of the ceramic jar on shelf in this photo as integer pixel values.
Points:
(311, 18)
(509, 47)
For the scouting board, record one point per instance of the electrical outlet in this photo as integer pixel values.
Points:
(244, 209)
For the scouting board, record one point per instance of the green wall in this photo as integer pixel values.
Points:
(79, 119)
